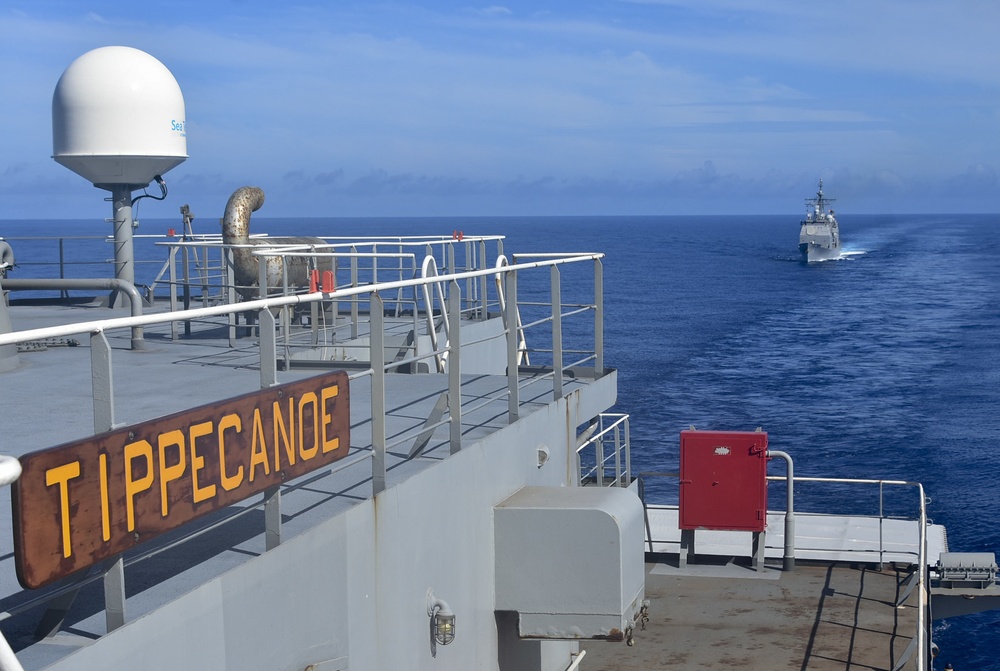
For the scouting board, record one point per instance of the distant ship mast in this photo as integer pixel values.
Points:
(820, 205)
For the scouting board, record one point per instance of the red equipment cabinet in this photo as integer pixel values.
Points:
(723, 480)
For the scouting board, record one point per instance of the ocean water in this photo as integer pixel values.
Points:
(884, 364)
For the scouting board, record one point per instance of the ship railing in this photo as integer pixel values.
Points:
(80, 257)
(102, 369)
(544, 315)
(70, 256)
(604, 457)
(202, 275)
(353, 262)
(914, 552)
(863, 499)
(427, 302)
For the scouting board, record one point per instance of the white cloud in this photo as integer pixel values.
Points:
(495, 10)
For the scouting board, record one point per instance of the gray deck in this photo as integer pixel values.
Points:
(724, 616)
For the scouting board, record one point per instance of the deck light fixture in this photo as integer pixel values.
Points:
(442, 619)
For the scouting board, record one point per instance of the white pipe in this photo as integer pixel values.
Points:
(8, 660)
(428, 270)
(788, 561)
(6, 256)
(10, 470)
(577, 658)
(134, 298)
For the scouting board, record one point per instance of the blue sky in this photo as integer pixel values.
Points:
(544, 107)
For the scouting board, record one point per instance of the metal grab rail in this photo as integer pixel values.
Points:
(618, 429)
(428, 270)
(522, 346)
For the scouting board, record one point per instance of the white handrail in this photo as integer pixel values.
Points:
(577, 658)
(428, 270)
(99, 325)
(522, 344)
(622, 446)
(10, 470)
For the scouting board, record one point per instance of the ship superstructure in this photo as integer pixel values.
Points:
(819, 232)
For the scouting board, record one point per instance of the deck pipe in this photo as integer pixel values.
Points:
(8, 353)
(788, 561)
(134, 298)
(277, 267)
(6, 257)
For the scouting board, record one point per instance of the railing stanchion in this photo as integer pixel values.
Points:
(272, 517)
(377, 337)
(172, 266)
(102, 383)
(269, 378)
(618, 456)
(230, 293)
(557, 349)
(114, 594)
(454, 367)
(598, 318)
(628, 454)
(510, 323)
(354, 298)
(268, 349)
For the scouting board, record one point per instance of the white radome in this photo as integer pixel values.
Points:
(118, 117)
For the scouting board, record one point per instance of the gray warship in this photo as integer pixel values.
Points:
(378, 457)
(819, 232)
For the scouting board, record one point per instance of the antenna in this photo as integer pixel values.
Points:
(118, 122)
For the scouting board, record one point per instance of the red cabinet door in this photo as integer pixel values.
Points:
(723, 480)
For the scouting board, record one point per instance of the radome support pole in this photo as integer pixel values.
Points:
(121, 196)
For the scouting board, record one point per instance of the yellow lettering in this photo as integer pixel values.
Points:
(258, 447)
(309, 398)
(231, 421)
(174, 472)
(287, 436)
(61, 475)
(105, 512)
(198, 462)
(140, 448)
(329, 444)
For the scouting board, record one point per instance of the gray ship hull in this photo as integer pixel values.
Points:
(812, 252)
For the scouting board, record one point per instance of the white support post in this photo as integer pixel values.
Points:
(454, 367)
(102, 383)
(598, 319)
(377, 356)
(510, 323)
(557, 342)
